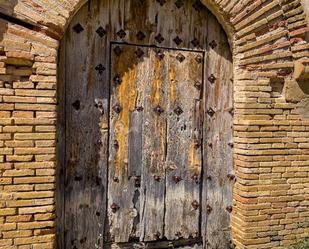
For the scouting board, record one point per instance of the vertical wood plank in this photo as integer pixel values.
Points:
(218, 134)
(184, 159)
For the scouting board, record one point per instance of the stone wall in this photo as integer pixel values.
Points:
(271, 137)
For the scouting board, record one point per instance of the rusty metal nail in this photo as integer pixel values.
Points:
(78, 28)
(117, 79)
(100, 143)
(100, 68)
(158, 109)
(213, 44)
(177, 179)
(137, 181)
(180, 57)
(212, 79)
(231, 144)
(195, 178)
(210, 145)
(139, 108)
(199, 59)
(208, 209)
(209, 178)
(159, 38)
(177, 40)
(114, 207)
(121, 33)
(195, 204)
(76, 105)
(101, 31)
(160, 55)
(231, 111)
(231, 177)
(117, 51)
(211, 112)
(178, 111)
(117, 108)
(198, 85)
(157, 178)
(229, 209)
(197, 144)
(116, 179)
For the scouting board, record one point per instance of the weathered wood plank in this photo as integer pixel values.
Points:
(218, 138)
(184, 159)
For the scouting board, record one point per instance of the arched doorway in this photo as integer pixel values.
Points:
(145, 136)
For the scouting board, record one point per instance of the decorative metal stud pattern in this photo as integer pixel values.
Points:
(198, 5)
(158, 110)
(159, 38)
(117, 108)
(100, 68)
(177, 179)
(195, 42)
(180, 57)
(160, 55)
(212, 78)
(178, 111)
(139, 53)
(140, 35)
(78, 28)
(117, 79)
(179, 4)
(211, 112)
(117, 51)
(101, 31)
(121, 33)
(213, 44)
(199, 59)
(177, 40)
(161, 2)
(195, 204)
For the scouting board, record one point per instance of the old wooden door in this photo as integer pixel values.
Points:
(145, 127)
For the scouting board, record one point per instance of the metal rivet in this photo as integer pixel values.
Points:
(210, 112)
(208, 209)
(180, 57)
(179, 4)
(231, 111)
(177, 40)
(195, 42)
(231, 144)
(231, 177)
(212, 78)
(140, 35)
(213, 44)
(117, 79)
(139, 53)
(198, 5)
(100, 68)
(101, 31)
(178, 111)
(114, 207)
(159, 38)
(137, 181)
(161, 2)
(116, 179)
(198, 85)
(139, 108)
(197, 144)
(78, 28)
(158, 110)
(199, 59)
(210, 145)
(160, 55)
(100, 143)
(76, 105)
(117, 108)
(208, 178)
(176, 179)
(195, 204)
(121, 33)
(195, 178)
(229, 209)
(117, 51)
(157, 178)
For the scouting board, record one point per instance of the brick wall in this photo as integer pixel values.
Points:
(271, 120)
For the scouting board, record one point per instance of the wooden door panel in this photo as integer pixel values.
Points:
(155, 144)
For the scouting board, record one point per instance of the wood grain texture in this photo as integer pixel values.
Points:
(129, 158)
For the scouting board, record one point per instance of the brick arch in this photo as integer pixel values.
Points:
(271, 141)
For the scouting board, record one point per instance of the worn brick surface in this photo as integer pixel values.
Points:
(271, 195)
